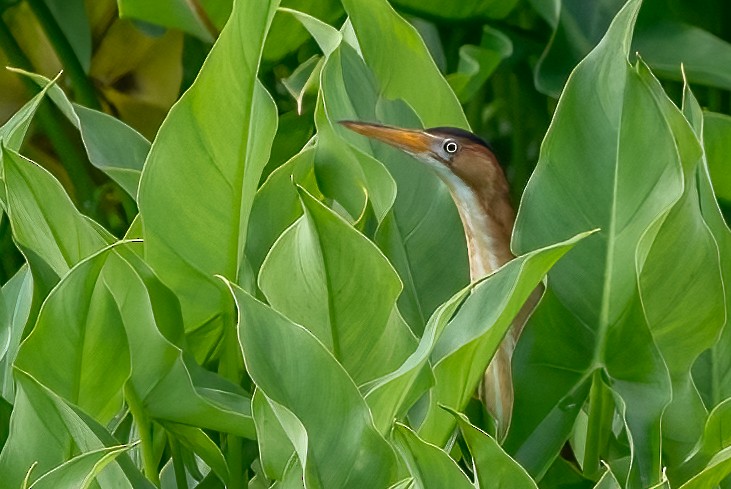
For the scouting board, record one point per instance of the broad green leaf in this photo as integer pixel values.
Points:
(331, 279)
(685, 316)
(494, 469)
(81, 471)
(717, 470)
(277, 204)
(227, 121)
(401, 62)
(429, 465)
(470, 339)
(391, 395)
(288, 363)
(610, 160)
(161, 370)
(78, 348)
(46, 225)
(46, 429)
(423, 238)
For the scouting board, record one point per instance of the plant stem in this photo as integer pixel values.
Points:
(144, 427)
(85, 92)
(180, 478)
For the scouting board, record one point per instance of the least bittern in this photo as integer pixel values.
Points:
(469, 168)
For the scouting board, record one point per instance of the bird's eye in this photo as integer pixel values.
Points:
(450, 146)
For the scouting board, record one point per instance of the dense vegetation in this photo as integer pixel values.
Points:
(207, 282)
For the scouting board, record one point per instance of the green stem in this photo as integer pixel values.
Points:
(83, 87)
(231, 367)
(181, 480)
(144, 427)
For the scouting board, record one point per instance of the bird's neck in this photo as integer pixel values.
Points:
(488, 221)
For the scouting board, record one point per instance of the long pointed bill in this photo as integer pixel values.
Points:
(409, 140)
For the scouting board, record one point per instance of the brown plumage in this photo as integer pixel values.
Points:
(469, 168)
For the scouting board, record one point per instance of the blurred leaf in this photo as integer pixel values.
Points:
(190, 17)
(113, 147)
(339, 446)
(494, 469)
(74, 23)
(477, 63)
(470, 339)
(227, 120)
(430, 466)
(329, 278)
(717, 141)
(465, 9)
(81, 471)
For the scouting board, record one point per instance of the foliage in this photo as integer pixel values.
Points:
(208, 282)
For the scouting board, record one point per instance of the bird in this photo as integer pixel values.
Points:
(468, 166)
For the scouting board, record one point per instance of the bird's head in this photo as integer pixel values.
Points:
(461, 159)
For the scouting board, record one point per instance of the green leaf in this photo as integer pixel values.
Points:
(13, 132)
(46, 225)
(494, 469)
(275, 449)
(81, 471)
(17, 294)
(469, 341)
(288, 34)
(161, 371)
(80, 352)
(423, 238)
(46, 429)
(337, 443)
(429, 465)
(395, 52)
(329, 278)
(227, 120)
(599, 147)
(718, 468)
